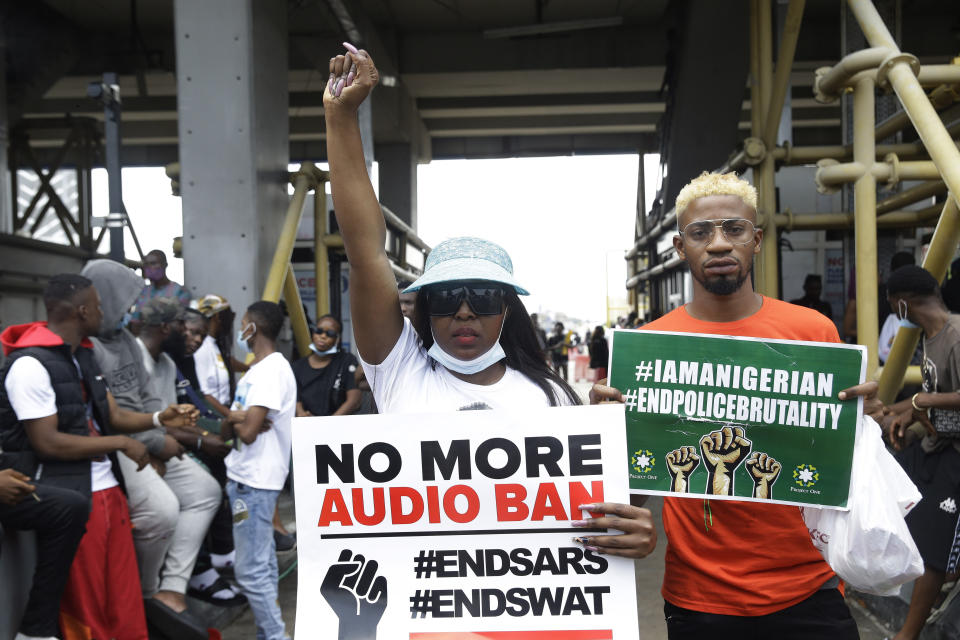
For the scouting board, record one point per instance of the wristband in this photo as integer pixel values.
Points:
(199, 442)
(913, 403)
(156, 420)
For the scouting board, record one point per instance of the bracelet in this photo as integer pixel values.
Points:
(205, 433)
(156, 420)
(913, 403)
(199, 442)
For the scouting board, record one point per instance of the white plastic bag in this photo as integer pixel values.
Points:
(869, 546)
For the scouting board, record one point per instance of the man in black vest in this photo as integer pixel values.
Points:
(56, 423)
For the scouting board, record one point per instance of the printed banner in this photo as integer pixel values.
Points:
(457, 526)
(738, 418)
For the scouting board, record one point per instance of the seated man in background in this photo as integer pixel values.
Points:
(173, 501)
(163, 343)
(56, 416)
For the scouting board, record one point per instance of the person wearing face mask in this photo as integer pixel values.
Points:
(158, 286)
(257, 468)
(471, 344)
(173, 500)
(326, 384)
(933, 460)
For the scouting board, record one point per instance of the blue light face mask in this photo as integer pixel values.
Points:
(329, 352)
(902, 315)
(241, 342)
(467, 367)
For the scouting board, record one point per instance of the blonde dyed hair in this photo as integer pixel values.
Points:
(716, 184)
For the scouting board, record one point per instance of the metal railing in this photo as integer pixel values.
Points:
(281, 280)
(935, 161)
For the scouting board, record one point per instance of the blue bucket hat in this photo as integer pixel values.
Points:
(467, 259)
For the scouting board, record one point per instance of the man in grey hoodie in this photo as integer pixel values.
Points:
(173, 501)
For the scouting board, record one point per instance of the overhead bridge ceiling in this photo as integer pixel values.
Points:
(483, 78)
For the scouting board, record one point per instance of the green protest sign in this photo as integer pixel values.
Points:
(738, 418)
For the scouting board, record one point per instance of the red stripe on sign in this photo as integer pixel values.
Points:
(574, 634)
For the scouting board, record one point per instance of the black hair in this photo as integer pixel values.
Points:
(316, 327)
(267, 316)
(519, 342)
(64, 287)
(403, 284)
(160, 254)
(914, 281)
(901, 259)
(61, 294)
(812, 277)
(598, 332)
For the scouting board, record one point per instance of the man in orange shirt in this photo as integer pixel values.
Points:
(740, 569)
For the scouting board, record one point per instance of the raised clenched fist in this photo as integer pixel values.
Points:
(356, 594)
(680, 464)
(723, 451)
(764, 471)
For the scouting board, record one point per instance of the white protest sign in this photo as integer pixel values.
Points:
(457, 525)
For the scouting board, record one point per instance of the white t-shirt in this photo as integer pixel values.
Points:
(32, 396)
(265, 463)
(887, 333)
(163, 374)
(212, 373)
(405, 383)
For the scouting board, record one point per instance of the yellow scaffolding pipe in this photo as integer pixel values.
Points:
(912, 195)
(900, 72)
(764, 173)
(288, 234)
(781, 82)
(756, 115)
(942, 247)
(892, 170)
(865, 219)
(321, 258)
(298, 319)
(893, 219)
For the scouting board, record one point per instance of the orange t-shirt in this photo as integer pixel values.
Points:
(742, 558)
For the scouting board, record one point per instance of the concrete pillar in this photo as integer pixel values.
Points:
(398, 180)
(232, 98)
(6, 199)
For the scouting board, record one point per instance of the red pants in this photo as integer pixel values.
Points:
(102, 600)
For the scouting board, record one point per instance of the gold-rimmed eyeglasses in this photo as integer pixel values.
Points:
(735, 230)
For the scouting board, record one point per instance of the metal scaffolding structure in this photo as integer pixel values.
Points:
(402, 241)
(934, 160)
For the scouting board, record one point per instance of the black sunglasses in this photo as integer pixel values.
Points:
(330, 333)
(484, 299)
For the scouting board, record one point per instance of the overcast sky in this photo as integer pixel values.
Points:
(565, 221)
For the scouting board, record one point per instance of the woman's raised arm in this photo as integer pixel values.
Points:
(374, 302)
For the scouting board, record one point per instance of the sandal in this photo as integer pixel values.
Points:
(214, 594)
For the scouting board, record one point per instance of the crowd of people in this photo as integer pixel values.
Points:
(146, 437)
(137, 427)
